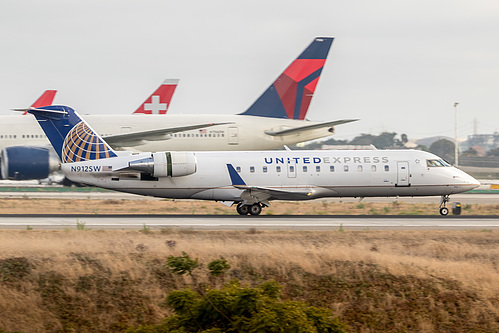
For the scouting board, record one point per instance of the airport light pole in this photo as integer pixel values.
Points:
(456, 162)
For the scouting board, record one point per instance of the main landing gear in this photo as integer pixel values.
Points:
(443, 202)
(254, 209)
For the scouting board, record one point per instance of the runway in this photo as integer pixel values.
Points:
(235, 222)
(464, 198)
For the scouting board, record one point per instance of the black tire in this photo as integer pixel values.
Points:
(242, 209)
(255, 209)
(444, 211)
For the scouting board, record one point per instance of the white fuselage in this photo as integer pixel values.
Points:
(321, 173)
(244, 132)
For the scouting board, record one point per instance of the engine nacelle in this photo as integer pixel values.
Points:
(169, 164)
(25, 162)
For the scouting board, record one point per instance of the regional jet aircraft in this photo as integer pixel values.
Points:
(249, 180)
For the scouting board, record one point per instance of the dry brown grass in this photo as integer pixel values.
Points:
(374, 281)
(149, 206)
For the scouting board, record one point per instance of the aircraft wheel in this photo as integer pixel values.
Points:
(255, 209)
(242, 209)
(444, 211)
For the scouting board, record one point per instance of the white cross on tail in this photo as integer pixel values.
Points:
(155, 106)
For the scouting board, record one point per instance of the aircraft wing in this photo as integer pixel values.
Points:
(265, 193)
(136, 138)
(305, 128)
(253, 194)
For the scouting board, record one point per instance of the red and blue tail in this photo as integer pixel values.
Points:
(290, 95)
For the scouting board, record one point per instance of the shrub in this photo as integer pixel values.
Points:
(13, 269)
(236, 308)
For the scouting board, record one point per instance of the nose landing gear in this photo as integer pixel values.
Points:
(443, 203)
(254, 209)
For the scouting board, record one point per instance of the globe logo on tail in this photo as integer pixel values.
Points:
(83, 144)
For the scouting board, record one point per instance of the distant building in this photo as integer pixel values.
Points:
(485, 141)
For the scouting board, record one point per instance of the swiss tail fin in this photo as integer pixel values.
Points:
(72, 138)
(290, 95)
(159, 101)
(44, 100)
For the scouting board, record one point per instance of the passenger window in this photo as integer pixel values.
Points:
(373, 168)
(317, 168)
(252, 169)
(331, 168)
(387, 168)
(359, 168)
(278, 168)
(345, 168)
(264, 169)
(238, 169)
(305, 168)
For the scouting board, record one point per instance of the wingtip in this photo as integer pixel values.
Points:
(235, 179)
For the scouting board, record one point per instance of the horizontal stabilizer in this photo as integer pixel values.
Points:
(305, 128)
(45, 99)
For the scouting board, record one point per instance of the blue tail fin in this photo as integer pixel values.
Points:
(72, 138)
(290, 95)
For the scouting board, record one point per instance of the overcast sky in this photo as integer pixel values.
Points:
(399, 66)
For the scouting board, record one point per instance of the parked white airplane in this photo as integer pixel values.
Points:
(248, 179)
(24, 148)
(277, 118)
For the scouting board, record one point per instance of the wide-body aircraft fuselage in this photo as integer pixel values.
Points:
(237, 133)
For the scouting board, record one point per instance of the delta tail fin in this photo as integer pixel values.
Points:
(44, 100)
(159, 101)
(290, 95)
(72, 138)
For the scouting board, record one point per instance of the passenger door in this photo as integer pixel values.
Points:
(233, 136)
(403, 173)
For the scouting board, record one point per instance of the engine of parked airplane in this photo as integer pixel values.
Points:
(24, 163)
(169, 164)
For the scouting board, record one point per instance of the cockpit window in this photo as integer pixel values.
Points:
(437, 163)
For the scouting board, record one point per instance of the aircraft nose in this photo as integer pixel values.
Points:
(471, 182)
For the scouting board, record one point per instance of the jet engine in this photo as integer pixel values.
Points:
(169, 164)
(25, 162)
